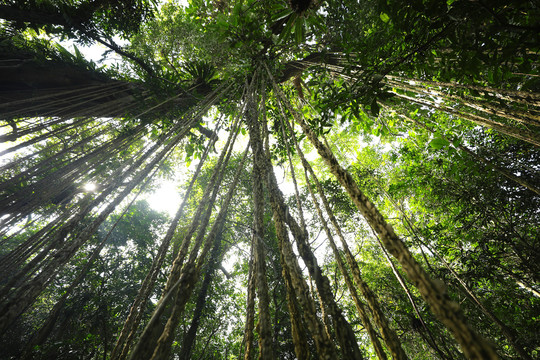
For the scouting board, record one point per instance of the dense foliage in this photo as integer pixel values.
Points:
(359, 179)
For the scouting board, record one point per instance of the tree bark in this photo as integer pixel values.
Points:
(388, 334)
(123, 343)
(324, 345)
(250, 311)
(350, 286)
(189, 339)
(434, 292)
(265, 325)
(192, 269)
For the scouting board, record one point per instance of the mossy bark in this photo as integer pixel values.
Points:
(433, 291)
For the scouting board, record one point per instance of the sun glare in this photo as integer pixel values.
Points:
(165, 198)
(90, 187)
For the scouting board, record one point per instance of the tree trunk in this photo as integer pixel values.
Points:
(388, 334)
(508, 332)
(350, 286)
(344, 332)
(196, 262)
(189, 339)
(433, 292)
(265, 325)
(324, 345)
(120, 351)
(182, 275)
(250, 310)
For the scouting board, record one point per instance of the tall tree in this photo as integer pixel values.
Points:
(418, 132)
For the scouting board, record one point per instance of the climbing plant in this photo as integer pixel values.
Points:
(358, 179)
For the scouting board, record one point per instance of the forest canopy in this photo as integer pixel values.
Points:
(359, 179)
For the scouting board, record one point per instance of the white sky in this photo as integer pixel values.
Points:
(166, 198)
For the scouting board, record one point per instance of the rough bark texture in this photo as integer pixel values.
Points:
(250, 311)
(344, 332)
(388, 334)
(434, 292)
(265, 325)
(345, 335)
(325, 347)
(348, 281)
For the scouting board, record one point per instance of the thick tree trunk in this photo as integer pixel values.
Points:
(250, 311)
(434, 292)
(388, 334)
(324, 345)
(265, 325)
(350, 286)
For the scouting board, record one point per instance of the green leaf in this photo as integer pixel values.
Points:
(438, 143)
(281, 15)
(287, 30)
(299, 30)
(384, 17)
(78, 53)
(64, 52)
